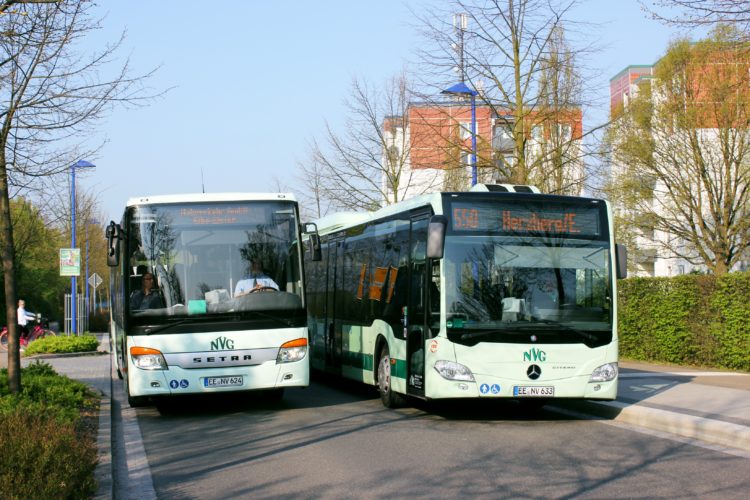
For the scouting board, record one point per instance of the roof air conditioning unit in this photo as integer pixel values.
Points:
(505, 188)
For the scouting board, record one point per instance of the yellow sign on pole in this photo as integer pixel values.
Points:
(70, 262)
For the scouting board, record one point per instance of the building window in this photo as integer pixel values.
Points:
(537, 133)
(563, 131)
(465, 130)
(502, 137)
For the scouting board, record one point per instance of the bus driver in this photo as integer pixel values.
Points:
(257, 279)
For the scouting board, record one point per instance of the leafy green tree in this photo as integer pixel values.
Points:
(37, 244)
(681, 153)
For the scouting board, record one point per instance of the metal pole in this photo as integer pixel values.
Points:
(86, 277)
(73, 287)
(473, 139)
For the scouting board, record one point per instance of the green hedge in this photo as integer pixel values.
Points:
(691, 319)
(47, 436)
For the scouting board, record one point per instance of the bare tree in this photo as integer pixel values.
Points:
(313, 203)
(51, 97)
(682, 153)
(366, 166)
(698, 13)
(517, 56)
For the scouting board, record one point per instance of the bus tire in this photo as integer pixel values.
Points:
(389, 398)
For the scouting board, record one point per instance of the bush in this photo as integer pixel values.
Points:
(63, 344)
(47, 447)
(692, 319)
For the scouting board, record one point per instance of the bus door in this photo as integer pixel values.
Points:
(334, 286)
(416, 305)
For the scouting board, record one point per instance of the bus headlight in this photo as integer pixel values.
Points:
(604, 373)
(451, 370)
(147, 358)
(291, 351)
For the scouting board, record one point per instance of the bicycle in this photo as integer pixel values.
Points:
(36, 333)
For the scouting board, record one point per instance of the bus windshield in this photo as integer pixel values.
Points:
(237, 259)
(510, 284)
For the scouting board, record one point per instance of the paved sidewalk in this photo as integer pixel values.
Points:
(712, 406)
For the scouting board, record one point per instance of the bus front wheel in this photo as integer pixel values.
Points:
(389, 398)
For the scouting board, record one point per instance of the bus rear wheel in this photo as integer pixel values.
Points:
(389, 398)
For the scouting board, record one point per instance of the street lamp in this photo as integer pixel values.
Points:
(73, 287)
(461, 89)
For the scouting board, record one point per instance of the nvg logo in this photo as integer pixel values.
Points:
(535, 355)
(221, 344)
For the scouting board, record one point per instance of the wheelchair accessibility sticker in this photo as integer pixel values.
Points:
(174, 384)
(487, 389)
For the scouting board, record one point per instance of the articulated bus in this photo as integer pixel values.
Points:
(202, 332)
(499, 292)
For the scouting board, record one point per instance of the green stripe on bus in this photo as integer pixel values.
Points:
(365, 362)
(399, 369)
(358, 360)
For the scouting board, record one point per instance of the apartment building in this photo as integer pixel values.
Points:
(710, 87)
(440, 156)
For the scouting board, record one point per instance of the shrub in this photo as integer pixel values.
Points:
(46, 448)
(42, 457)
(63, 344)
(692, 319)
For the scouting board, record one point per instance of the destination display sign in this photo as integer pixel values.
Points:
(217, 214)
(526, 218)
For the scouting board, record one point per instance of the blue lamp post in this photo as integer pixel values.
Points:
(461, 89)
(73, 287)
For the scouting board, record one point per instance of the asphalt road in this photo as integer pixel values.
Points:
(331, 442)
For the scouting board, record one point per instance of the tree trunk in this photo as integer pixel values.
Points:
(9, 275)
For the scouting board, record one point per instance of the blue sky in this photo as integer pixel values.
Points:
(254, 83)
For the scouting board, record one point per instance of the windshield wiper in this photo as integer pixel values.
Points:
(531, 326)
(508, 329)
(286, 322)
(156, 329)
(583, 334)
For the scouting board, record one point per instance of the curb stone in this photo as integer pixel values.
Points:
(687, 426)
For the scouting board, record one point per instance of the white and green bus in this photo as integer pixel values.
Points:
(207, 326)
(500, 292)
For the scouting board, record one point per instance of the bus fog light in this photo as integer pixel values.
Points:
(604, 373)
(451, 370)
(294, 350)
(463, 387)
(147, 358)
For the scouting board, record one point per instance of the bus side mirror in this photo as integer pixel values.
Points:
(621, 253)
(113, 234)
(436, 236)
(312, 230)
